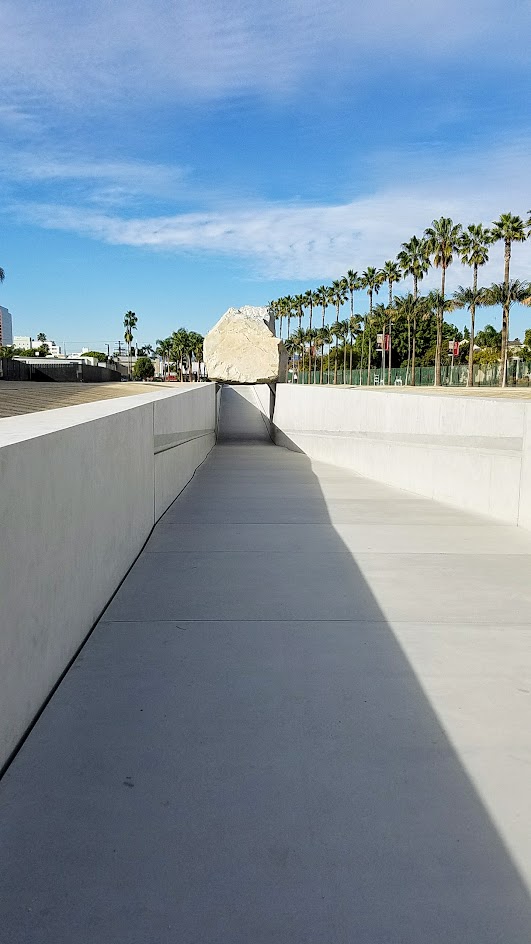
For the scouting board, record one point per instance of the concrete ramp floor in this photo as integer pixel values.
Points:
(240, 415)
(303, 719)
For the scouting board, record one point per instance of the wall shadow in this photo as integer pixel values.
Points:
(292, 781)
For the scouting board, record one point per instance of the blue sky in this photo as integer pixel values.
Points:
(176, 158)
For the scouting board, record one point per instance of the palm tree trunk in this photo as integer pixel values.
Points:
(344, 357)
(440, 316)
(408, 370)
(310, 346)
(321, 371)
(505, 318)
(390, 306)
(414, 344)
(369, 352)
(470, 378)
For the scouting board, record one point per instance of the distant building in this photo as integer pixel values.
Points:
(27, 344)
(22, 342)
(6, 327)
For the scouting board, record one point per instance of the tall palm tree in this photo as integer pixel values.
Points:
(379, 320)
(409, 308)
(299, 344)
(345, 328)
(179, 348)
(470, 298)
(322, 296)
(414, 260)
(298, 306)
(506, 295)
(309, 301)
(310, 337)
(2, 274)
(324, 337)
(163, 350)
(442, 239)
(130, 323)
(371, 280)
(391, 273)
(474, 251)
(336, 332)
(509, 229)
(354, 326)
(338, 298)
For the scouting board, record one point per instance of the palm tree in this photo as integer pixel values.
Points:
(309, 300)
(506, 295)
(195, 350)
(2, 274)
(338, 297)
(414, 260)
(163, 350)
(323, 337)
(336, 332)
(390, 273)
(130, 323)
(298, 305)
(354, 326)
(510, 229)
(310, 336)
(344, 327)
(179, 348)
(353, 283)
(322, 297)
(442, 238)
(371, 280)
(299, 344)
(409, 307)
(474, 251)
(470, 298)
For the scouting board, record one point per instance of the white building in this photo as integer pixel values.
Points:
(27, 343)
(6, 327)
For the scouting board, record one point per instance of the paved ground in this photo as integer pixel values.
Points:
(17, 397)
(305, 717)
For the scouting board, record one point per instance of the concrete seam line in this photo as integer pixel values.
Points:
(11, 757)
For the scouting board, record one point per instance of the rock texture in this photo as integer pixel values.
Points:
(242, 348)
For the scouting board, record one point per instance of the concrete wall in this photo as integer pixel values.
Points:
(80, 491)
(472, 452)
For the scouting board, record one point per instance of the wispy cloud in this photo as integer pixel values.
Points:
(208, 48)
(320, 241)
(110, 182)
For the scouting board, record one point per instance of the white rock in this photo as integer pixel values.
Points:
(242, 348)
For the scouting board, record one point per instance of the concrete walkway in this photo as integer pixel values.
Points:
(303, 719)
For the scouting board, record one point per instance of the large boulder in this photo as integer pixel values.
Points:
(242, 348)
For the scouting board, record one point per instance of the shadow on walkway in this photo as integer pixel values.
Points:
(242, 753)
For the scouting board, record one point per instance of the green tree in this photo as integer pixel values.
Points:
(508, 229)
(130, 323)
(443, 239)
(474, 251)
(414, 261)
(144, 368)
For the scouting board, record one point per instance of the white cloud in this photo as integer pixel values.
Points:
(296, 240)
(208, 48)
